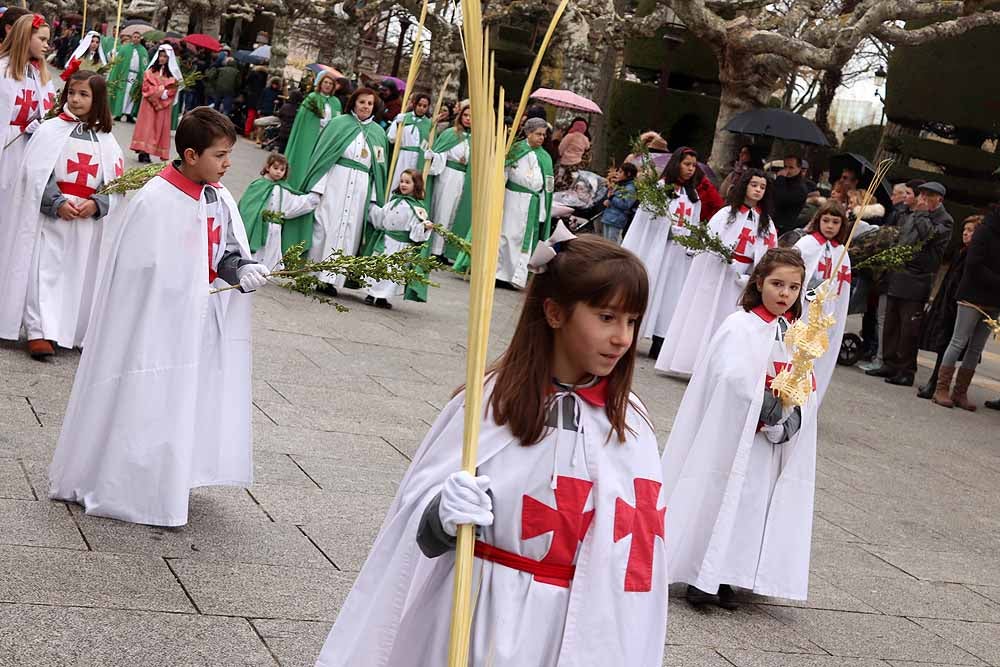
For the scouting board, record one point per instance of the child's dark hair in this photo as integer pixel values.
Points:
(587, 270)
(738, 194)
(421, 96)
(834, 208)
(418, 183)
(201, 128)
(272, 159)
(99, 117)
(629, 169)
(672, 172)
(771, 260)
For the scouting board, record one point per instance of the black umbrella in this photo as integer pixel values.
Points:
(865, 170)
(247, 57)
(779, 124)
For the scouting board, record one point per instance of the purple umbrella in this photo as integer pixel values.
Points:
(660, 161)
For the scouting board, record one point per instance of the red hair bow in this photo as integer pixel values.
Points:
(37, 21)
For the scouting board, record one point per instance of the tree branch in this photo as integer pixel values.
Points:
(901, 37)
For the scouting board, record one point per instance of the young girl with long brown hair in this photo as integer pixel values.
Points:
(739, 467)
(821, 247)
(570, 559)
(26, 92)
(49, 253)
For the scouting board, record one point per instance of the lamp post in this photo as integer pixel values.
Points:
(880, 79)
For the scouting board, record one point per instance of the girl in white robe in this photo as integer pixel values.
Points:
(449, 169)
(399, 224)
(739, 467)
(26, 96)
(712, 288)
(413, 130)
(570, 565)
(821, 248)
(651, 238)
(49, 254)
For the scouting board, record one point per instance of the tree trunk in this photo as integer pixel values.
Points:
(279, 45)
(179, 20)
(824, 100)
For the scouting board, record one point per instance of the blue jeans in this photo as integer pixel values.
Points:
(224, 104)
(613, 234)
(970, 334)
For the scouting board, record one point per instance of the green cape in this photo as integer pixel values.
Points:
(252, 205)
(423, 126)
(518, 151)
(305, 132)
(376, 246)
(462, 225)
(333, 141)
(118, 76)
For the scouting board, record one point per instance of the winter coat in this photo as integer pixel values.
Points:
(711, 201)
(225, 80)
(254, 83)
(621, 205)
(939, 321)
(286, 114)
(981, 281)
(789, 198)
(933, 229)
(267, 101)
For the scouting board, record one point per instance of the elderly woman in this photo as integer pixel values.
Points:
(574, 152)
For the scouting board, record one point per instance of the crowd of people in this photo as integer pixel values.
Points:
(161, 401)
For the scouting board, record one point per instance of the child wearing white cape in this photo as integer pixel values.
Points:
(739, 468)
(570, 555)
(712, 288)
(49, 253)
(162, 398)
(821, 247)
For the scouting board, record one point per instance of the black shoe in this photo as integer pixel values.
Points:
(327, 289)
(443, 259)
(144, 157)
(698, 598)
(654, 349)
(882, 371)
(993, 405)
(370, 300)
(383, 303)
(901, 380)
(727, 598)
(927, 390)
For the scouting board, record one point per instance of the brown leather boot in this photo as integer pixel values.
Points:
(960, 395)
(40, 348)
(943, 386)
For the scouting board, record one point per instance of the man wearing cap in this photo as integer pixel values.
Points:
(907, 289)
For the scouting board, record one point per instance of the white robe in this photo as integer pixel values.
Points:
(667, 263)
(162, 398)
(740, 508)
(448, 189)
(407, 158)
(711, 291)
(821, 257)
(290, 206)
(36, 100)
(340, 216)
(134, 72)
(397, 614)
(512, 263)
(395, 216)
(49, 266)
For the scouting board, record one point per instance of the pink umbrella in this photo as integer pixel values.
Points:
(566, 100)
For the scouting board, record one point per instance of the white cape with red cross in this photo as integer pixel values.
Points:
(819, 264)
(705, 472)
(161, 401)
(398, 612)
(69, 271)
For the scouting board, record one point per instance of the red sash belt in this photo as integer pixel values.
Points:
(742, 259)
(563, 573)
(76, 190)
(14, 123)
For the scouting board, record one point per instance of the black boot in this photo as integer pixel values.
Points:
(654, 349)
(993, 405)
(882, 371)
(727, 598)
(144, 157)
(927, 390)
(327, 289)
(698, 598)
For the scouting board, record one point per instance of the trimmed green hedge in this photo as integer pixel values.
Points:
(961, 189)
(966, 157)
(692, 58)
(863, 141)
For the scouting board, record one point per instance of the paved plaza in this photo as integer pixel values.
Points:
(905, 562)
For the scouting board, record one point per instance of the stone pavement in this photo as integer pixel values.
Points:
(905, 564)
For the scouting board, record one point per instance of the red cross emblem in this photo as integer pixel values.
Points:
(825, 268)
(644, 523)
(214, 239)
(843, 277)
(683, 211)
(83, 168)
(568, 523)
(746, 237)
(119, 167)
(49, 101)
(780, 366)
(771, 240)
(27, 103)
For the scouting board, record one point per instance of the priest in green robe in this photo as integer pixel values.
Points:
(315, 113)
(126, 73)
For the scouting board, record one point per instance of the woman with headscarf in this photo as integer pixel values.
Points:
(313, 115)
(89, 55)
(160, 85)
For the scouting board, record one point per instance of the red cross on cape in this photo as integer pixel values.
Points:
(746, 237)
(82, 167)
(214, 239)
(26, 103)
(568, 523)
(844, 277)
(644, 522)
(683, 211)
(825, 267)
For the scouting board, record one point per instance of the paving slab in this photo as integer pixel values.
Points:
(744, 658)
(263, 591)
(28, 441)
(15, 411)
(279, 469)
(88, 579)
(748, 627)
(299, 505)
(838, 560)
(958, 567)
(294, 643)
(14, 481)
(344, 541)
(363, 476)
(32, 523)
(823, 594)
(44, 636)
(928, 599)
(36, 385)
(693, 656)
(322, 444)
(980, 639)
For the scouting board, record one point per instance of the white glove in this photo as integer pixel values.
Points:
(774, 434)
(252, 276)
(32, 126)
(428, 155)
(677, 230)
(742, 279)
(464, 500)
(164, 95)
(323, 122)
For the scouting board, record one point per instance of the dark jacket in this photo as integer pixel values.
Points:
(981, 281)
(933, 229)
(286, 114)
(267, 101)
(939, 321)
(789, 198)
(225, 81)
(254, 82)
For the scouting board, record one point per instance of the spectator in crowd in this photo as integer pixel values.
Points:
(745, 159)
(342, 90)
(620, 204)
(791, 190)
(574, 153)
(226, 83)
(201, 92)
(392, 101)
(286, 114)
(904, 195)
(254, 84)
(978, 297)
(929, 228)
(11, 16)
(847, 181)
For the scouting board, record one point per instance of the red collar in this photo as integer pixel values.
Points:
(596, 395)
(766, 315)
(820, 239)
(745, 209)
(171, 174)
(66, 117)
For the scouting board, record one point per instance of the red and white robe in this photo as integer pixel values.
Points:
(21, 102)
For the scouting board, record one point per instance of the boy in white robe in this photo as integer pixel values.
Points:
(161, 401)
